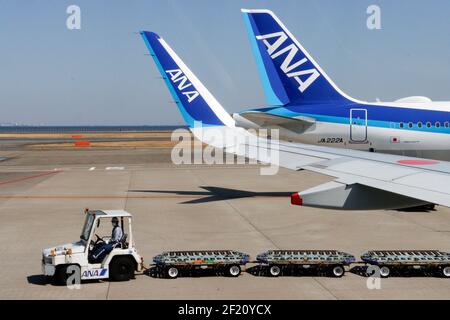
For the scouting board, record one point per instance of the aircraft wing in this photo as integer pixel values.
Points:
(363, 180)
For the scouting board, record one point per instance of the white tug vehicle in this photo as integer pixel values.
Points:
(76, 259)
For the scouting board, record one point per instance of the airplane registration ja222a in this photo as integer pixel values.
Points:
(308, 107)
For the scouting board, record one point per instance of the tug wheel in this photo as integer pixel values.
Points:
(62, 275)
(121, 269)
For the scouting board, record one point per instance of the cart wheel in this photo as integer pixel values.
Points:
(172, 272)
(385, 272)
(446, 272)
(275, 271)
(234, 270)
(338, 271)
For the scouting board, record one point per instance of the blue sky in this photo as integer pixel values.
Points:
(100, 75)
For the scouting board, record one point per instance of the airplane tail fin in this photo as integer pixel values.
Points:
(289, 74)
(194, 101)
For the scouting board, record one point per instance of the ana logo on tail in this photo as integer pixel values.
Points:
(176, 75)
(288, 65)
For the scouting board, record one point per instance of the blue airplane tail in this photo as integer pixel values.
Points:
(195, 102)
(288, 73)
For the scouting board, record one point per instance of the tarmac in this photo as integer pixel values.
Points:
(192, 207)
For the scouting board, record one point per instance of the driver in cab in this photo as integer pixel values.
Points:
(100, 251)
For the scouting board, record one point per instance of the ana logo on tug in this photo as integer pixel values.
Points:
(178, 77)
(288, 65)
(94, 273)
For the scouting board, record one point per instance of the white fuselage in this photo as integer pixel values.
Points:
(425, 137)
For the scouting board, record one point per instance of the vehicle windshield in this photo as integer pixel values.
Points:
(85, 232)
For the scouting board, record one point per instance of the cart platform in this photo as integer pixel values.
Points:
(201, 257)
(309, 257)
(406, 257)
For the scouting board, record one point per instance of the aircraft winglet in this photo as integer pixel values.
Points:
(193, 99)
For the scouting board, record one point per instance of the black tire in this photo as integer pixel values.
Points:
(61, 276)
(121, 269)
(446, 271)
(233, 270)
(172, 272)
(337, 271)
(385, 271)
(274, 270)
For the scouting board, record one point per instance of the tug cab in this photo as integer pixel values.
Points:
(120, 264)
